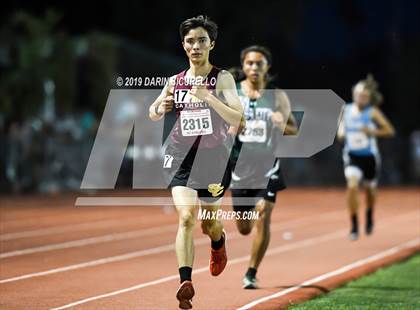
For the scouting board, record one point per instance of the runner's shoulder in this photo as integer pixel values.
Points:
(279, 91)
(375, 113)
(280, 94)
(225, 79)
(224, 74)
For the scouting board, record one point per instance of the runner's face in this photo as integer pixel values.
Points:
(255, 66)
(361, 96)
(197, 45)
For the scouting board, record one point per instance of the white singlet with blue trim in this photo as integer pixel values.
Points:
(356, 141)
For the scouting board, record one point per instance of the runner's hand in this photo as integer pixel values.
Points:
(232, 131)
(166, 105)
(277, 118)
(369, 132)
(201, 92)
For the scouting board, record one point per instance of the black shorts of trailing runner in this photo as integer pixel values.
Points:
(367, 164)
(246, 199)
(206, 170)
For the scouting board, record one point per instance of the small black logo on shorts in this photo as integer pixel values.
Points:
(215, 189)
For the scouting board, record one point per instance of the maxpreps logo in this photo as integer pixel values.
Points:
(127, 111)
(204, 214)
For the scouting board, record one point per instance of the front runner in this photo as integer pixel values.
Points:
(199, 131)
(257, 175)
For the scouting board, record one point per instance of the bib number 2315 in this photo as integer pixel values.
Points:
(196, 122)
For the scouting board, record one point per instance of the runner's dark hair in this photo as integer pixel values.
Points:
(198, 21)
(238, 73)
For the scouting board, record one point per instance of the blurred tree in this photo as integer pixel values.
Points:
(37, 52)
(33, 50)
(97, 66)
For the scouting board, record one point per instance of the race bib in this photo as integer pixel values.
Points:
(196, 122)
(357, 140)
(255, 131)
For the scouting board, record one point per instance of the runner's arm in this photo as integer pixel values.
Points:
(232, 111)
(385, 130)
(341, 132)
(283, 107)
(164, 102)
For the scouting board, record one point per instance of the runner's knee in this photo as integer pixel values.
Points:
(353, 176)
(244, 227)
(353, 182)
(186, 218)
(264, 209)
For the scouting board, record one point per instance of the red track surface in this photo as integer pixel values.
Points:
(54, 255)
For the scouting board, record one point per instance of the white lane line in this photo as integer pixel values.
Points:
(136, 254)
(57, 230)
(106, 260)
(356, 264)
(92, 240)
(124, 236)
(277, 250)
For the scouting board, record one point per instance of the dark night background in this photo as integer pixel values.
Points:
(315, 44)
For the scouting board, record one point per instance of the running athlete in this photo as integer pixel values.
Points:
(199, 104)
(257, 176)
(362, 122)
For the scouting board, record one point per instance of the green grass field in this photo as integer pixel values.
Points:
(395, 287)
